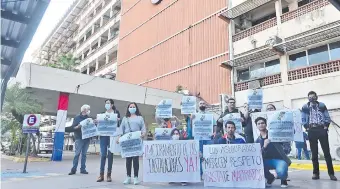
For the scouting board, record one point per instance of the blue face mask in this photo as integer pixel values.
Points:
(107, 106)
(132, 110)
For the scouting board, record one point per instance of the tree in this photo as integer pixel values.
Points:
(17, 103)
(66, 62)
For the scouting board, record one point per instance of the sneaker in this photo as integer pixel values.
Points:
(127, 180)
(84, 172)
(270, 182)
(315, 177)
(332, 177)
(72, 173)
(184, 184)
(284, 184)
(135, 181)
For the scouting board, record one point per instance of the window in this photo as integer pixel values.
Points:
(298, 60)
(243, 75)
(272, 67)
(335, 50)
(318, 55)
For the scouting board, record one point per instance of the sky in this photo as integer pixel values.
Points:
(53, 14)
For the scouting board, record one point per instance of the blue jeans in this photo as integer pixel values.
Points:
(280, 166)
(202, 142)
(81, 147)
(104, 152)
(305, 151)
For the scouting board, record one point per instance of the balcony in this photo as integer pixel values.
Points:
(109, 67)
(311, 71)
(269, 80)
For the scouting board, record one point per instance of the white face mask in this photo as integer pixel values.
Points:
(88, 112)
(175, 137)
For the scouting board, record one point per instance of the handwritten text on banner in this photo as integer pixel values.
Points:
(171, 161)
(233, 165)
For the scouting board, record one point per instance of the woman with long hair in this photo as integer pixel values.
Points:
(132, 121)
(105, 144)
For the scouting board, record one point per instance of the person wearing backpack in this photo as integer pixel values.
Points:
(132, 121)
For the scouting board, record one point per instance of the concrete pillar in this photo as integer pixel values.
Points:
(278, 10)
(292, 4)
(88, 70)
(92, 29)
(101, 21)
(97, 64)
(107, 59)
(57, 154)
(284, 61)
(82, 55)
(111, 12)
(99, 41)
(109, 34)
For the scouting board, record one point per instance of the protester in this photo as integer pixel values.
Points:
(231, 108)
(273, 155)
(184, 133)
(175, 135)
(302, 146)
(286, 145)
(105, 144)
(229, 137)
(316, 120)
(81, 145)
(172, 122)
(133, 121)
(149, 136)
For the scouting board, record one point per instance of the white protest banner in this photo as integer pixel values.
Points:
(236, 118)
(88, 128)
(131, 144)
(114, 147)
(107, 124)
(171, 161)
(233, 165)
(164, 109)
(280, 126)
(188, 105)
(202, 126)
(298, 131)
(255, 99)
(163, 133)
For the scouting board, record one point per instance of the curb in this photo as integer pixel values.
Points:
(307, 166)
(21, 160)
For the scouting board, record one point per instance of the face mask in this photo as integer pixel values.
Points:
(88, 112)
(175, 137)
(312, 99)
(132, 110)
(202, 108)
(107, 106)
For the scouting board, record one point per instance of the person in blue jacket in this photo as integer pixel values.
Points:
(229, 137)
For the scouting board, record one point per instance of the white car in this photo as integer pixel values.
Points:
(46, 145)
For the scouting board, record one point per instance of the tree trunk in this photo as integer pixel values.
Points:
(38, 146)
(34, 148)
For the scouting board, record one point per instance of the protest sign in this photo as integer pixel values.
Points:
(88, 128)
(233, 165)
(114, 147)
(163, 133)
(255, 99)
(202, 126)
(107, 124)
(164, 109)
(236, 118)
(188, 105)
(131, 144)
(281, 126)
(171, 161)
(256, 132)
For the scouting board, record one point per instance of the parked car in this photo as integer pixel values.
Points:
(46, 145)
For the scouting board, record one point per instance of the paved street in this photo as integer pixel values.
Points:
(53, 175)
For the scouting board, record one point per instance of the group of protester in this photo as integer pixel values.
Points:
(315, 119)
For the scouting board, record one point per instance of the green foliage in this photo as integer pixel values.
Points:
(66, 62)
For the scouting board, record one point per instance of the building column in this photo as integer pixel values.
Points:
(58, 146)
(99, 41)
(111, 12)
(278, 10)
(101, 21)
(284, 61)
(92, 29)
(109, 34)
(107, 59)
(97, 64)
(88, 70)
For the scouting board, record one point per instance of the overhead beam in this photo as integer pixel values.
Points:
(9, 42)
(8, 15)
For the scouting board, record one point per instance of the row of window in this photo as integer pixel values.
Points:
(318, 55)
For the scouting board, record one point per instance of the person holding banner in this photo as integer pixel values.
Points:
(316, 120)
(273, 155)
(132, 121)
(81, 145)
(229, 110)
(248, 124)
(172, 122)
(105, 144)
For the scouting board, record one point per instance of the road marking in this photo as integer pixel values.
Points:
(137, 187)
